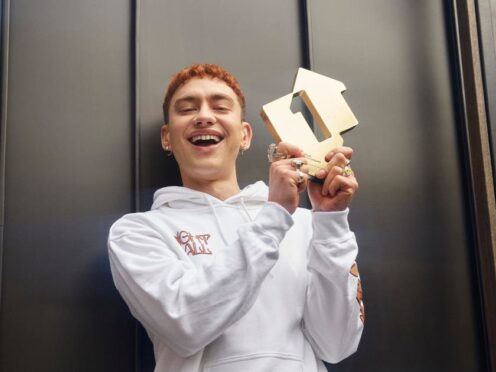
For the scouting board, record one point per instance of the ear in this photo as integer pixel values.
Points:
(164, 137)
(247, 135)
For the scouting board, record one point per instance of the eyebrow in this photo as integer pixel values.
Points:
(185, 99)
(221, 97)
(213, 97)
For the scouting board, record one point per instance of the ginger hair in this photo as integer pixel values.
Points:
(201, 71)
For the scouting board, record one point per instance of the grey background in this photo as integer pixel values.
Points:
(80, 145)
(68, 176)
(251, 39)
(416, 250)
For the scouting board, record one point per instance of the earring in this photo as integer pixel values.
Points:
(169, 151)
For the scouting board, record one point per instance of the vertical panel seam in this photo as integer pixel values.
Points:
(308, 7)
(135, 63)
(3, 125)
(137, 120)
(305, 32)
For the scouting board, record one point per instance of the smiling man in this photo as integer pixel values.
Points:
(206, 153)
(225, 279)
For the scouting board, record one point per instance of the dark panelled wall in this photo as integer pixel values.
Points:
(68, 176)
(83, 113)
(416, 255)
(259, 41)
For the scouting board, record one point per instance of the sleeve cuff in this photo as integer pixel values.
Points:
(274, 220)
(330, 225)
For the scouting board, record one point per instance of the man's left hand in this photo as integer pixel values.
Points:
(339, 183)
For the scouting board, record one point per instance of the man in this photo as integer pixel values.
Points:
(225, 279)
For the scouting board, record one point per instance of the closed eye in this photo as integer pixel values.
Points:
(186, 110)
(221, 108)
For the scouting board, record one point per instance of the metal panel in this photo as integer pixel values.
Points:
(68, 177)
(417, 257)
(258, 41)
(4, 47)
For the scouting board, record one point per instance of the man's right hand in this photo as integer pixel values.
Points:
(285, 182)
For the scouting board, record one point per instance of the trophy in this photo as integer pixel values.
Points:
(323, 97)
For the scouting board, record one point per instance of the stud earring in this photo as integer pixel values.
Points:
(169, 151)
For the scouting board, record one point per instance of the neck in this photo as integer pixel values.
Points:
(221, 189)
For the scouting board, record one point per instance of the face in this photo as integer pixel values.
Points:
(205, 130)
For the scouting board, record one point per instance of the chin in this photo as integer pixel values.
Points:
(207, 171)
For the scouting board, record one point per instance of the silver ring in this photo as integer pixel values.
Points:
(296, 163)
(273, 155)
(301, 177)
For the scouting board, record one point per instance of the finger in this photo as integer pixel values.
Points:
(347, 185)
(338, 159)
(305, 169)
(299, 163)
(321, 174)
(289, 149)
(333, 172)
(293, 164)
(301, 180)
(283, 171)
(346, 151)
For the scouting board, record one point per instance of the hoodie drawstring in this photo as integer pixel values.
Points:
(242, 200)
(219, 226)
(243, 205)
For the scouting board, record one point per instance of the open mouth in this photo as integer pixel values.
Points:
(205, 140)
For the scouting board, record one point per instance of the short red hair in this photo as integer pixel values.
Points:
(201, 71)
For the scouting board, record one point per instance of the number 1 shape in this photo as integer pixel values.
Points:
(323, 97)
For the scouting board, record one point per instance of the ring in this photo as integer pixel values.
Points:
(296, 163)
(273, 155)
(347, 171)
(301, 177)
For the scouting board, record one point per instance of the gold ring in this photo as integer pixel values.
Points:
(347, 171)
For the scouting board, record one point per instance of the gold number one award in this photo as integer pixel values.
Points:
(323, 97)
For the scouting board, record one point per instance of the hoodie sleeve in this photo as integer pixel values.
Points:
(187, 306)
(333, 317)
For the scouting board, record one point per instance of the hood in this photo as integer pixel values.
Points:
(184, 198)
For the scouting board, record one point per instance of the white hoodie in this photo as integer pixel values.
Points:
(240, 284)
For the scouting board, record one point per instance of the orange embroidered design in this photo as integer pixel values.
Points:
(359, 297)
(193, 244)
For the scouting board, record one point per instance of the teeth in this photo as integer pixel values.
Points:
(205, 138)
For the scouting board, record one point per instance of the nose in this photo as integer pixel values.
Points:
(205, 116)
